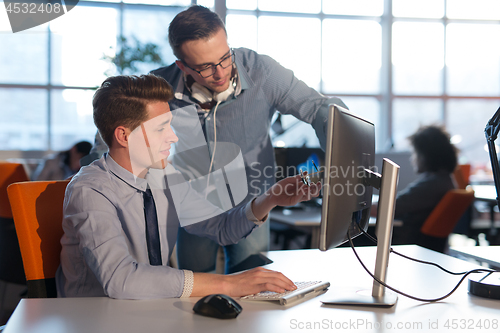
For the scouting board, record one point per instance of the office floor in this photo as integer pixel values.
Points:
(4, 316)
(10, 296)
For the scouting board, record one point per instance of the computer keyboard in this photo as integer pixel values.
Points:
(308, 288)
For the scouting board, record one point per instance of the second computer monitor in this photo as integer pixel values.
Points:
(347, 197)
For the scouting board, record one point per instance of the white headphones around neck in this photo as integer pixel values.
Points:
(203, 95)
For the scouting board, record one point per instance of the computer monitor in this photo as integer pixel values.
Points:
(349, 178)
(350, 150)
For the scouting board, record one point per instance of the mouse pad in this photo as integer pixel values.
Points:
(252, 261)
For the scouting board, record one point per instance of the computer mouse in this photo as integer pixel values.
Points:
(218, 306)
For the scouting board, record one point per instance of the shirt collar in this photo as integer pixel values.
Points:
(125, 175)
(244, 80)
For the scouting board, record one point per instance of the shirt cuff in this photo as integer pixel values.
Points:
(251, 217)
(188, 284)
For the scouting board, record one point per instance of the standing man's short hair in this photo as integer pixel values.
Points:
(122, 100)
(196, 22)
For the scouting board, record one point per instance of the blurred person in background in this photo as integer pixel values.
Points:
(434, 159)
(64, 164)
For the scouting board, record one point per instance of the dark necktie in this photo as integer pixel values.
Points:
(171, 211)
(152, 232)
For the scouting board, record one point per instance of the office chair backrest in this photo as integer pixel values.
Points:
(445, 215)
(462, 175)
(9, 173)
(11, 263)
(37, 207)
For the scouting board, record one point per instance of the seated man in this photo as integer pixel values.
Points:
(120, 226)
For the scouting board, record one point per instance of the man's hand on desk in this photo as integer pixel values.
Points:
(287, 192)
(241, 284)
(257, 280)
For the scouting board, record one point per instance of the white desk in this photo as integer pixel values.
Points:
(338, 266)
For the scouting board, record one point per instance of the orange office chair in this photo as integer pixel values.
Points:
(462, 175)
(37, 207)
(11, 263)
(443, 218)
(9, 173)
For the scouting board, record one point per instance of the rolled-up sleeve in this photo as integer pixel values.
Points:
(250, 215)
(188, 284)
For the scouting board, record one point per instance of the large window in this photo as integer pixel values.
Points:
(49, 73)
(399, 63)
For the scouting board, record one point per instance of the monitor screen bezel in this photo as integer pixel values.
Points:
(349, 138)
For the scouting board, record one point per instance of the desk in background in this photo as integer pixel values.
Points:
(483, 254)
(308, 220)
(485, 192)
(339, 266)
(488, 194)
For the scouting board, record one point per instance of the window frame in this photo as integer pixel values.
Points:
(386, 97)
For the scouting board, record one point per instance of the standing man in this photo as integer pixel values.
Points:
(236, 93)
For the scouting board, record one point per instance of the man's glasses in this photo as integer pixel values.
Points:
(211, 69)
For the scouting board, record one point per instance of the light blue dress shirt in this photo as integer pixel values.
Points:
(104, 249)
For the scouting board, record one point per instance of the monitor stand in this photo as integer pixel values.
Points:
(379, 297)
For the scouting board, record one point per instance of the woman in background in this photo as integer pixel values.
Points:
(63, 165)
(434, 159)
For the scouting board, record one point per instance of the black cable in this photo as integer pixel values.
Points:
(374, 240)
(407, 295)
(427, 263)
